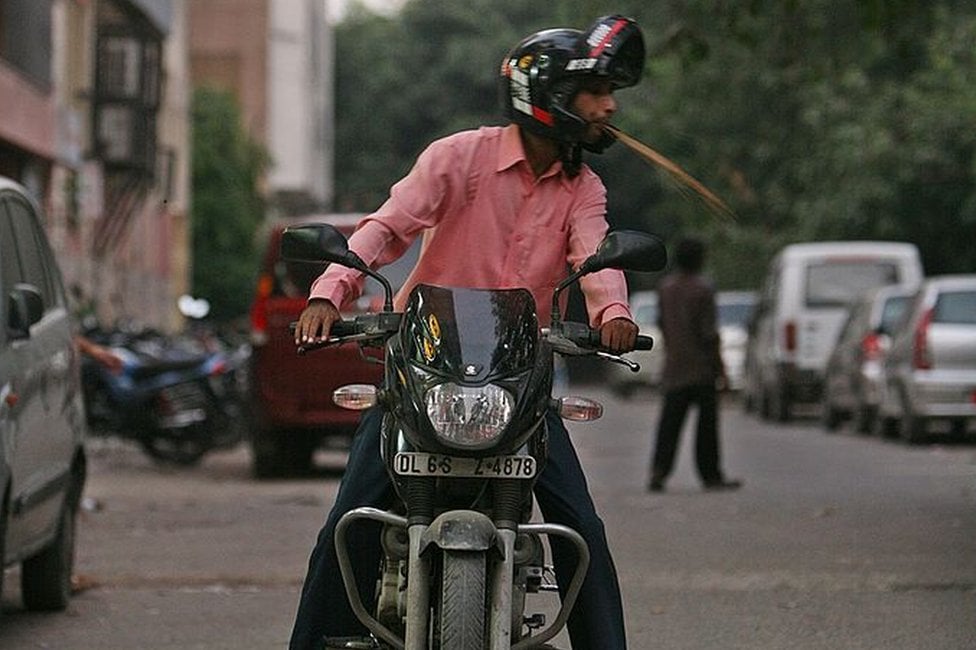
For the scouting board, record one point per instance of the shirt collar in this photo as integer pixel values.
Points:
(511, 152)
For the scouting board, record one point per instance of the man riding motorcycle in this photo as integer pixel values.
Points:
(497, 207)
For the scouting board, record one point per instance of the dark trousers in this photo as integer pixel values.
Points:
(677, 401)
(596, 622)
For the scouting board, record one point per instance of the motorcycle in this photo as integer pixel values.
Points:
(468, 378)
(177, 397)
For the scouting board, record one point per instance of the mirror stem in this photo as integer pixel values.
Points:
(555, 316)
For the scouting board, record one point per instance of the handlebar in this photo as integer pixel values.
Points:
(580, 339)
(568, 338)
(367, 329)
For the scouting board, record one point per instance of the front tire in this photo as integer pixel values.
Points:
(461, 615)
(173, 449)
(45, 578)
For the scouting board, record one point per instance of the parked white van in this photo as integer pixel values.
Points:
(803, 302)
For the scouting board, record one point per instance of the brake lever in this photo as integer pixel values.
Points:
(616, 358)
(305, 348)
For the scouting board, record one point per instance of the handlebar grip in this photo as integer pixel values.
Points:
(644, 342)
(343, 328)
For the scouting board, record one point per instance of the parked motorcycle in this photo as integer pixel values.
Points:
(467, 385)
(177, 396)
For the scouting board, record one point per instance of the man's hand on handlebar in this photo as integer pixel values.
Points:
(316, 321)
(619, 335)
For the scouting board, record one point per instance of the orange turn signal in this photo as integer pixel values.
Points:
(580, 409)
(355, 397)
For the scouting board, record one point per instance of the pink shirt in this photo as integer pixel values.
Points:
(488, 223)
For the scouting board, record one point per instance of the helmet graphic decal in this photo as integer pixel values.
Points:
(521, 92)
(603, 34)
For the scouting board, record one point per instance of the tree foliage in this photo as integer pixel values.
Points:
(822, 119)
(227, 207)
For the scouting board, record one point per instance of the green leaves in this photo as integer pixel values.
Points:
(226, 206)
(815, 120)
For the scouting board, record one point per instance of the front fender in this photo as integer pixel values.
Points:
(460, 530)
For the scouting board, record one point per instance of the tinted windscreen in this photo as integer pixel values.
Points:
(837, 283)
(956, 307)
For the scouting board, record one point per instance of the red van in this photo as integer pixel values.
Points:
(291, 410)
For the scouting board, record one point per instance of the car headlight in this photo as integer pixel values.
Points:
(469, 417)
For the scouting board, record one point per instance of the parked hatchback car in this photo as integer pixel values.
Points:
(290, 408)
(42, 458)
(930, 370)
(853, 377)
(802, 306)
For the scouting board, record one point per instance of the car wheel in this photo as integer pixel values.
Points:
(765, 408)
(750, 403)
(864, 419)
(830, 417)
(3, 537)
(886, 427)
(780, 407)
(171, 449)
(45, 578)
(913, 428)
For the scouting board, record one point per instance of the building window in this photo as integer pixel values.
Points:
(127, 89)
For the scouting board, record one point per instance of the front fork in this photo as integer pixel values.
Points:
(500, 535)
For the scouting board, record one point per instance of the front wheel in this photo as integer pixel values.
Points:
(461, 608)
(174, 449)
(45, 578)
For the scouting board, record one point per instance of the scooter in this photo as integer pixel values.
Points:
(468, 381)
(177, 398)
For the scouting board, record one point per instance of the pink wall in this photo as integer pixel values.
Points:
(27, 116)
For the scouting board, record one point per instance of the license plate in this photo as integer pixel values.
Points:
(423, 464)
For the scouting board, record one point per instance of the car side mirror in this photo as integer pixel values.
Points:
(25, 307)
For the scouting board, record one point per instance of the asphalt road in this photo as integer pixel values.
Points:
(836, 541)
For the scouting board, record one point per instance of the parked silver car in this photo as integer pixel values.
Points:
(853, 379)
(643, 307)
(930, 370)
(42, 460)
(733, 311)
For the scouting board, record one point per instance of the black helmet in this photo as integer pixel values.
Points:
(542, 74)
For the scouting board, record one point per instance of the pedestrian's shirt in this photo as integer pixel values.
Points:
(487, 222)
(686, 314)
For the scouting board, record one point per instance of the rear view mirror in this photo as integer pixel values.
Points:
(628, 250)
(25, 307)
(324, 243)
(316, 243)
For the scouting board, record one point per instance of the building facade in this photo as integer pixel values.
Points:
(95, 123)
(276, 58)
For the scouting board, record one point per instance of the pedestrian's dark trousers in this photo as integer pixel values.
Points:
(561, 492)
(677, 401)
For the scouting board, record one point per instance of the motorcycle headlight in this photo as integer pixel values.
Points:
(469, 417)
